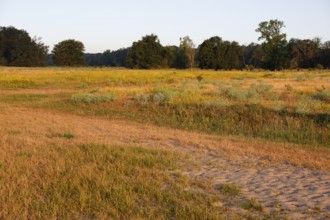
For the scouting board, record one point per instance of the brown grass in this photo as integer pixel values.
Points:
(42, 124)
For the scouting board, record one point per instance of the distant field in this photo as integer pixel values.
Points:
(100, 143)
(280, 106)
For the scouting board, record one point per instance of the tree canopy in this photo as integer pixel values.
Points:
(185, 56)
(69, 53)
(215, 53)
(17, 48)
(304, 53)
(147, 53)
(275, 54)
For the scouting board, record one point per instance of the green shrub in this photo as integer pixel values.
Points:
(142, 98)
(162, 97)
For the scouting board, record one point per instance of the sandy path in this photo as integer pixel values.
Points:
(298, 192)
(263, 170)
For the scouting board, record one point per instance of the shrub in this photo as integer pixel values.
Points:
(162, 97)
(199, 78)
(142, 98)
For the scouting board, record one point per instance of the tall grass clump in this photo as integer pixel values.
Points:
(253, 121)
(322, 96)
(307, 105)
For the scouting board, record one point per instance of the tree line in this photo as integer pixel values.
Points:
(275, 52)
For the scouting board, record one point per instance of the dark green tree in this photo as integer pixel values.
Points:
(115, 58)
(17, 48)
(185, 57)
(69, 53)
(211, 53)
(275, 53)
(233, 56)
(170, 56)
(94, 59)
(252, 55)
(147, 53)
(324, 57)
(214, 53)
(304, 53)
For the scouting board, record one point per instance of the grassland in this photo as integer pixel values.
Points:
(60, 158)
(289, 107)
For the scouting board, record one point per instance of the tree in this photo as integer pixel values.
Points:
(211, 53)
(275, 53)
(171, 56)
(304, 53)
(324, 58)
(186, 54)
(115, 58)
(17, 48)
(252, 56)
(216, 54)
(69, 53)
(147, 53)
(233, 56)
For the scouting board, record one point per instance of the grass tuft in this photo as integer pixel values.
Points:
(229, 189)
(252, 204)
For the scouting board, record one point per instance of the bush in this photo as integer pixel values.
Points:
(142, 98)
(162, 97)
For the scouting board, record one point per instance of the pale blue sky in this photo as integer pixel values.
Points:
(102, 24)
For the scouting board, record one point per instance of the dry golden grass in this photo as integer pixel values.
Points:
(54, 151)
(67, 166)
(44, 124)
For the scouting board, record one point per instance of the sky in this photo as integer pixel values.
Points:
(108, 24)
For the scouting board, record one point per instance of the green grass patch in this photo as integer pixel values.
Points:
(252, 204)
(24, 154)
(66, 135)
(21, 98)
(229, 189)
(92, 98)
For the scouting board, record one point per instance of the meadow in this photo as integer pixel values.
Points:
(117, 143)
(279, 106)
